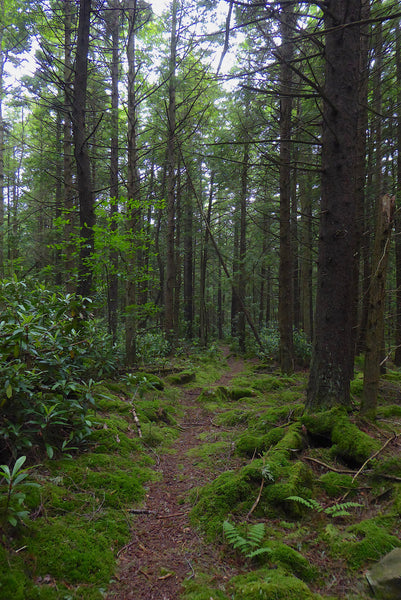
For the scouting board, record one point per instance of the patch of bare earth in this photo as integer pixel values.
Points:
(165, 550)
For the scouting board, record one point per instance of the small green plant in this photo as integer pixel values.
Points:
(12, 494)
(337, 510)
(251, 545)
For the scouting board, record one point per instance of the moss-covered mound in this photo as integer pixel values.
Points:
(347, 441)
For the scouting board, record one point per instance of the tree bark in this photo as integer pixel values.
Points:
(397, 357)
(84, 179)
(169, 324)
(377, 295)
(286, 292)
(333, 351)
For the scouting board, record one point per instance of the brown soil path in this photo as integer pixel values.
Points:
(165, 549)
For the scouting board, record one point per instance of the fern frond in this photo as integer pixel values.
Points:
(258, 552)
(308, 502)
(256, 534)
(341, 510)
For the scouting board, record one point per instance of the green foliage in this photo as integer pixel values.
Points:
(270, 338)
(337, 510)
(50, 347)
(250, 545)
(13, 486)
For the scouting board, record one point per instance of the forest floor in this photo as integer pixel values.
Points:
(165, 549)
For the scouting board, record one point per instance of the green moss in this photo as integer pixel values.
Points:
(209, 454)
(81, 553)
(386, 412)
(105, 401)
(361, 544)
(214, 394)
(392, 376)
(291, 561)
(249, 444)
(181, 378)
(239, 393)
(389, 466)
(111, 436)
(155, 435)
(336, 484)
(268, 584)
(356, 387)
(349, 442)
(156, 411)
(268, 383)
(231, 418)
(201, 588)
(397, 500)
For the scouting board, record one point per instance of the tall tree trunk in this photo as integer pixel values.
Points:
(377, 296)
(203, 324)
(286, 294)
(333, 350)
(305, 198)
(188, 265)
(242, 244)
(133, 191)
(360, 308)
(84, 180)
(397, 357)
(114, 29)
(69, 209)
(2, 60)
(169, 324)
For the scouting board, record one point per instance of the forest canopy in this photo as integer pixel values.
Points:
(211, 170)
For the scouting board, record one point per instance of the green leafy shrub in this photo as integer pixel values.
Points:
(13, 485)
(270, 338)
(50, 347)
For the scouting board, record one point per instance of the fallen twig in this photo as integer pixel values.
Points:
(135, 417)
(395, 436)
(180, 514)
(329, 467)
(257, 499)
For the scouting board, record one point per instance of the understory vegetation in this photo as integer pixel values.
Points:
(302, 504)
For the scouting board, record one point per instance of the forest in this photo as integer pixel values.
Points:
(200, 257)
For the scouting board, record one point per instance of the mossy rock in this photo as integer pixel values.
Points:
(361, 544)
(235, 492)
(277, 415)
(291, 561)
(272, 382)
(266, 584)
(336, 484)
(156, 412)
(111, 436)
(214, 394)
(181, 378)
(231, 418)
(250, 444)
(348, 441)
(238, 393)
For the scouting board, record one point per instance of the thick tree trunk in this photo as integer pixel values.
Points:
(377, 295)
(188, 266)
(333, 351)
(203, 324)
(397, 357)
(133, 192)
(69, 192)
(2, 59)
(286, 293)
(84, 180)
(169, 325)
(114, 29)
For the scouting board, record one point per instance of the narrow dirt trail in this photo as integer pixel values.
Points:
(164, 549)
